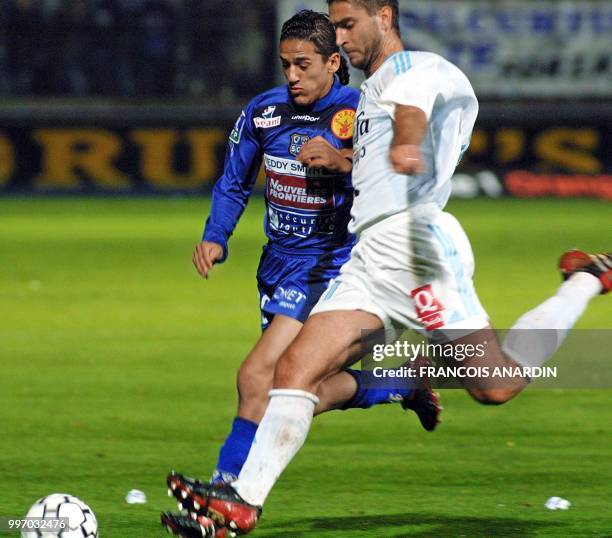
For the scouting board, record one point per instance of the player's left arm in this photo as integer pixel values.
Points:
(408, 133)
(319, 153)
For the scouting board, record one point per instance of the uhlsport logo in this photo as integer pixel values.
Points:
(267, 119)
(342, 123)
(296, 143)
(305, 117)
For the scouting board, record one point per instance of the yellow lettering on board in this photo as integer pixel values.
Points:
(66, 152)
(157, 147)
(570, 149)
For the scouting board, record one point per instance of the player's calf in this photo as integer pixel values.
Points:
(539, 333)
(493, 396)
(486, 389)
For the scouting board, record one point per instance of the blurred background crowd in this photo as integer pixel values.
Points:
(138, 96)
(136, 48)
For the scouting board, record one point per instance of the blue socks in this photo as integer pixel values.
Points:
(371, 391)
(234, 451)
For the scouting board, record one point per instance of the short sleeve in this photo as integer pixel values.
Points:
(420, 86)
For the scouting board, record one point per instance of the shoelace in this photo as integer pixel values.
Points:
(603, 261)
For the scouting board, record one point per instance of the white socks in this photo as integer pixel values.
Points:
(536, 336)
(280, 435)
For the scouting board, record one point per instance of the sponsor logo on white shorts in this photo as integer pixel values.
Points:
(428, 307)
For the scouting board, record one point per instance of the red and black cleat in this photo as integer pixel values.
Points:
(598, 265)
(426, 405)
(424, 402)
(188, 527)
(571, 261)
(219, 502)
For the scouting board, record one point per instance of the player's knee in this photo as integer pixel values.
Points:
(253, 382)
(492, 396)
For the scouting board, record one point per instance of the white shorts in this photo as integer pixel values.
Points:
(413, 270)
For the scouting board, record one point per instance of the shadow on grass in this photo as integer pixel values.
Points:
(423, 525)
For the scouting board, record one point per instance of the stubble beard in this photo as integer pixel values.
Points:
(373, 52)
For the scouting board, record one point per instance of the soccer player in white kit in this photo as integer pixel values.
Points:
(412, 265)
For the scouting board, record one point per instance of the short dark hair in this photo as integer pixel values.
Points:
(372, 6)
(316, 28)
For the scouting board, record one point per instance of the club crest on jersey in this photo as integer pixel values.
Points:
(342, 123)
(297, 141)
(267, 119)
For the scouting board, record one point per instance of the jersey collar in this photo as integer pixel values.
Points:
(364, 83)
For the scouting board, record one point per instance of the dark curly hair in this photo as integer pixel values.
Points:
(316, 28)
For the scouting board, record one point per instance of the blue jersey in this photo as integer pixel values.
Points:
(308, 209)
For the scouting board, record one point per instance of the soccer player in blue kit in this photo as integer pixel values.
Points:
(302, 131)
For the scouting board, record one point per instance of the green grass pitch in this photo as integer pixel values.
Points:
(118, 365)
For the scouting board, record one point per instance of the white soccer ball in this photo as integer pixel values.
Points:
(82, 522)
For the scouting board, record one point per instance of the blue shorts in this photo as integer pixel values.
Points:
(291, 284)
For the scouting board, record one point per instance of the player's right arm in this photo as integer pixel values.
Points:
(409, 100)
(205, 255)
(409, 130)
(230, 193)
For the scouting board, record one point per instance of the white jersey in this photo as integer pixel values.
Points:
(431, 83)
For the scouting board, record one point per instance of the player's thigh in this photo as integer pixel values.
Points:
(486, 388)
(328, 342)
(257, 370)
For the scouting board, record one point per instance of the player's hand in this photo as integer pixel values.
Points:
(205, 255)
(406, 159)
(319, 153)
